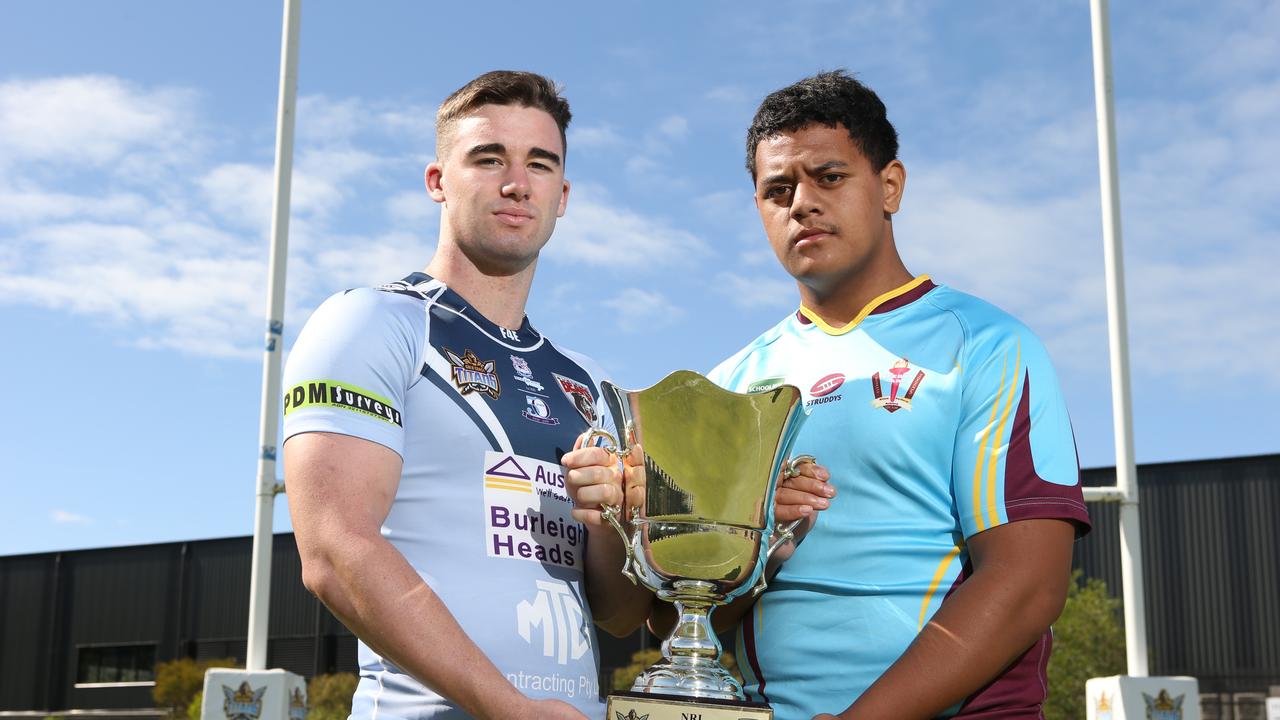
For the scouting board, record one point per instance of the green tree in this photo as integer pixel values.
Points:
(329, 696)
(1088, 641)
(178, 682)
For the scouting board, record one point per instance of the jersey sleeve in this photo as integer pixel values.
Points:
(604, 419)
(1015, 455)
(352, 366)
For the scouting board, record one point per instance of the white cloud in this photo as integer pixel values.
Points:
(240, 193)
(23, 207)
(413, 210)
(731, 94)
(65, 517)
(179, 259)
(596, 232)
(89, 119)
(361, 262)
(776, 291)
(674, 127)
(636, 310)
(593, 137)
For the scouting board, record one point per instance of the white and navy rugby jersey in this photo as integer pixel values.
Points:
(481, 415)
(939, 417)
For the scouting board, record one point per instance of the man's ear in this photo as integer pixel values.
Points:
(564, 199)
(434, 178)
(893, 181)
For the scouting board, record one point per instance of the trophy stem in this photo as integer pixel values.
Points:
(693, 636)
(690, 664)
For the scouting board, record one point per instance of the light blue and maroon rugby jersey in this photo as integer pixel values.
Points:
(481, 415)
(939, 416)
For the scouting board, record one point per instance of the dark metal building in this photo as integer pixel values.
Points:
(1211, 567)
(84, 628)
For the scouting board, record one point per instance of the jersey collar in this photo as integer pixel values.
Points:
(898, 297)
(451, 299)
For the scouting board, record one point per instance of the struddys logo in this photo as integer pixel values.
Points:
(473, 375)
(243, 703)
(1163, 707)
(297, 705)
(824, 390)
(1102, 708)
(580, 395)
(896, 399)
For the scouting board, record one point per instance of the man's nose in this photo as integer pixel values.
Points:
(805, 201)
(516, 184)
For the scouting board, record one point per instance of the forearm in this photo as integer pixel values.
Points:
(618, 606)
(372, 589)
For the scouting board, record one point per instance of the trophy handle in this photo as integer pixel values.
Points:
(613, 513)
(785, 532)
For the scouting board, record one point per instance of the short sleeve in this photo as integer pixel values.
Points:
(1015, 455)
(351, 367)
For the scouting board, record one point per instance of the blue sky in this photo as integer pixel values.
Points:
(136, 146)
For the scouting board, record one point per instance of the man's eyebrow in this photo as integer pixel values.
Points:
(775, 179)
(488, 149)
(830, 165)
(537, 152)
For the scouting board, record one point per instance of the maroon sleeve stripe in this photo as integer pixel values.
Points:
(1028, 496)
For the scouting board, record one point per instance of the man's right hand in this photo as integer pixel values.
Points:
(553, 709)
(593, 479)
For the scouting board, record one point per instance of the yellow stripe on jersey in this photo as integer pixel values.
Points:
(999, 446)
(980, 463)
(937, 580)
(866, 309)
(744, 660)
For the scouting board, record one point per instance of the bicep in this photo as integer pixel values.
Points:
(338, 485)
(1034, 555)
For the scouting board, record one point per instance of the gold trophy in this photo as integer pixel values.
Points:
(701, 523)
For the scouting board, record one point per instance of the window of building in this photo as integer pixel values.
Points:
(116, 664)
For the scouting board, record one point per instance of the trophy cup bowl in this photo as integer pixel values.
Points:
(702, 519)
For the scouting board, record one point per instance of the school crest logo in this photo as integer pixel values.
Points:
(580, 395)
(243, 703)
(631, 715)
(297, 705)
(1102, 708)
(471, 374)
(1163, 707)
(896, 399)
(524, 373)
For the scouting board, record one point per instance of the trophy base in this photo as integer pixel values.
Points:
(635, 706)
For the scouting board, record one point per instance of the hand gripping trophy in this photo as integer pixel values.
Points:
(701, 525)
